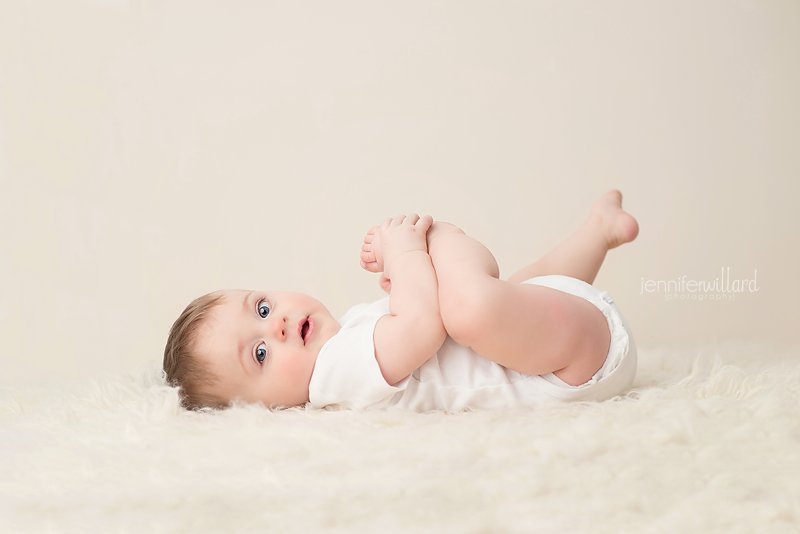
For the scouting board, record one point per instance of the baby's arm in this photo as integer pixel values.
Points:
(413, 330)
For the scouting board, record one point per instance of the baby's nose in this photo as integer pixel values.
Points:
(279, 326)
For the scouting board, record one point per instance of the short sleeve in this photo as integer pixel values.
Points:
(346, 372)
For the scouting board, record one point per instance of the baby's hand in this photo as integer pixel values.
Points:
(395, 236)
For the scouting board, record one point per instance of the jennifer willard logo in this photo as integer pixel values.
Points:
(722, 288)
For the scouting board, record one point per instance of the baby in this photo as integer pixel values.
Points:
(450, 335)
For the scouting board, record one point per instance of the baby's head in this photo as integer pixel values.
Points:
(247, 345)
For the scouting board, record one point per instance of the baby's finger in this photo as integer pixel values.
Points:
(412, 219)
(397, 221)
(385, 224)
(424, 223)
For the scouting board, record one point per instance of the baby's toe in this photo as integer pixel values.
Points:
(372, 266)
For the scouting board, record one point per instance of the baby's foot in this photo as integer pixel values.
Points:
(617, 226)
(371, 251)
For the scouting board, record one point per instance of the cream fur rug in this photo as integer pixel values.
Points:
(708, 441)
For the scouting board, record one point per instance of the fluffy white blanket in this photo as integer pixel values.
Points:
(707, 441)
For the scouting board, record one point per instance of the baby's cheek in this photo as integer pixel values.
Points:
(296, 370)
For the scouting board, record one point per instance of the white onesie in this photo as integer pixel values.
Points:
(347, 374)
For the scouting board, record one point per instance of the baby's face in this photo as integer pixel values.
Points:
(262, 345)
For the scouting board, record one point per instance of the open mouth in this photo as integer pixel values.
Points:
(306, 327)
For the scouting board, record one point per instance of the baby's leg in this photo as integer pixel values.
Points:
(528, 328)
(582, 254)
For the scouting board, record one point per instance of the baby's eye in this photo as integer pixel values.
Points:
(261, 352)
(263, 309)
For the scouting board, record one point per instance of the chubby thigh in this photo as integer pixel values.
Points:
(530, 328)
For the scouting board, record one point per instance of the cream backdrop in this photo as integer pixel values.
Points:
(151, 151)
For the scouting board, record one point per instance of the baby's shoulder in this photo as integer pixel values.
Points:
(364, 312)
(357, 325)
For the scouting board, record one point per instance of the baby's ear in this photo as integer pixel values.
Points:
(385, 283)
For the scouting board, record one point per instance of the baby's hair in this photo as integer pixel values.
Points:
(181, 364)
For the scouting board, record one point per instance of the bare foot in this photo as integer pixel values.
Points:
(371, 252)
(617, 226)
(372, 258)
